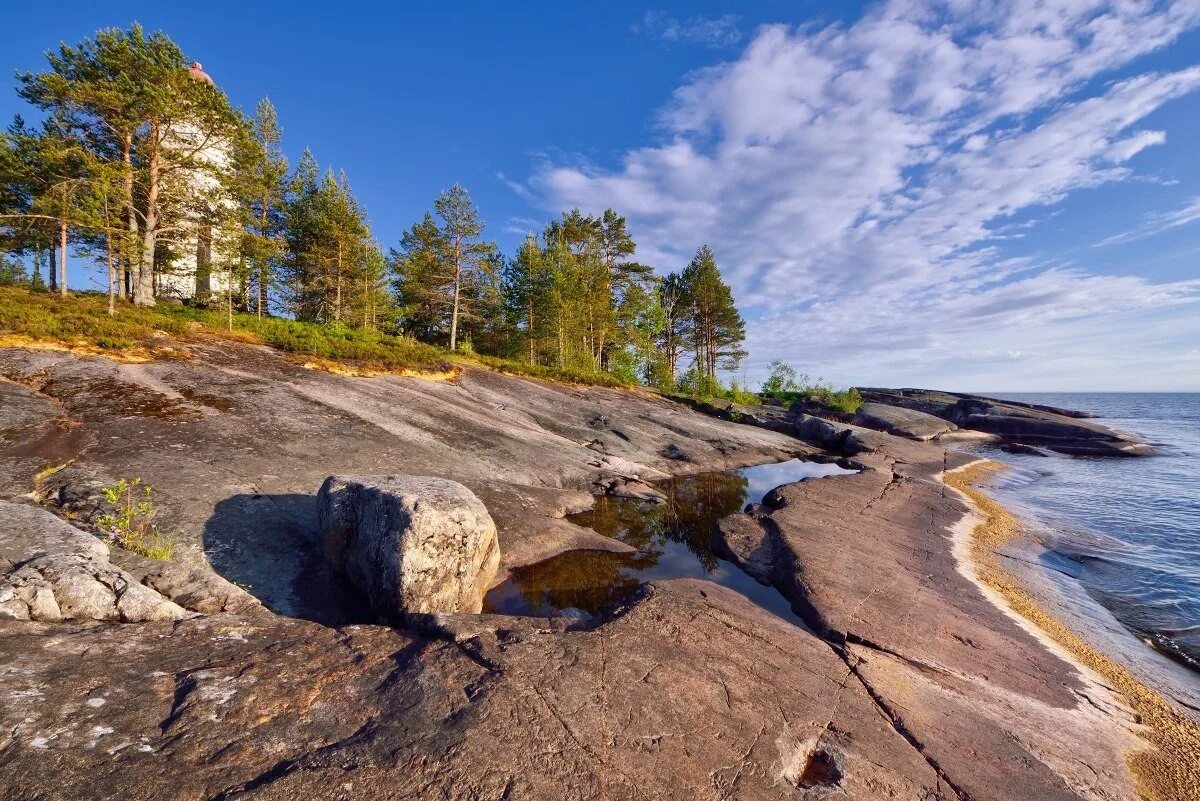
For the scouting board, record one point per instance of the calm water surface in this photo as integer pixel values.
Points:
(673, 540)
(1128, 529)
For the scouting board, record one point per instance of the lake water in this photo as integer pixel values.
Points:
(673, 540)
(1127, 529)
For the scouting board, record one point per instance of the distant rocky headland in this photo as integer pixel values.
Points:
(257, 662)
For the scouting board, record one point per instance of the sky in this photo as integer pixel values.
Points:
(969, 194)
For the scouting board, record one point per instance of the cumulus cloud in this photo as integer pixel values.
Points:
(707, 31)
(856, 180)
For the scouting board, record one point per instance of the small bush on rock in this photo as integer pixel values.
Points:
(784, 384)
(131, 523)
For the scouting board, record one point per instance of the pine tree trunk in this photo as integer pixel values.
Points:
(52, 270)
(131, 212)
(229, 296)
(337, 305)
(262, 264)
(203, 277)
(143, 287)
(532, 360)
(62, 257)
(112, 273)
(457, 282)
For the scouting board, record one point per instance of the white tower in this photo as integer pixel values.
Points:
(199, 267)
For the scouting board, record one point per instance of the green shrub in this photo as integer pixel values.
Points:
(131, 521)
(741, 396)
(695, 383)
(784, 384)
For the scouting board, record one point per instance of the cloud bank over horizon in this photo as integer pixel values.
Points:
(861, 183)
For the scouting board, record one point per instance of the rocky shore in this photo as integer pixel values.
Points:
(265, 677)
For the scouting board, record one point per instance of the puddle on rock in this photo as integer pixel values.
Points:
(673, 540)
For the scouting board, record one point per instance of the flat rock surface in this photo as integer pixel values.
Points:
(906, 683)
(237, 435)
(693, 693)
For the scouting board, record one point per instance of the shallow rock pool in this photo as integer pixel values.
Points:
(673, 540)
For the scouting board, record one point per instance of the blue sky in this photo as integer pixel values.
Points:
(972, 194)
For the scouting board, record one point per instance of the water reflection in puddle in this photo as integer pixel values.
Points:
(673, 540)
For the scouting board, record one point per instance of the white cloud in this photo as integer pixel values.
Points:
(707, 31)
(1157, 223)
(855, 180)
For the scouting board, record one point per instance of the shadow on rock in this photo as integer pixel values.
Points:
(268, 546)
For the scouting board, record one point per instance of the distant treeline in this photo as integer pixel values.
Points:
(141, 164)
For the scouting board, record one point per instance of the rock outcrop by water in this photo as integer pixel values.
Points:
(1060, 430)
(907, 682)
(902, 422)
(412, 544)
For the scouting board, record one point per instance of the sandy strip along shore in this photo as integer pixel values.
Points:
(1170, 767)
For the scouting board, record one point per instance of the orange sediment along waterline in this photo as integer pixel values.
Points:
(1167, 770)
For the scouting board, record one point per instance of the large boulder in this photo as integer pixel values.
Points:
(902, 422)
(412, 544)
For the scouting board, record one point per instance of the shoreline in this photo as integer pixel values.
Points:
(1168, 767)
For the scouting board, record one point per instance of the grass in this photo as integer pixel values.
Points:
(81, 322)
(842, 400)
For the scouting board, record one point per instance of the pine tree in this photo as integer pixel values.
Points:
(713, 323)
(261, 189)
(332, 266)
(299, 281)
(103, 232)
(49, 176)
(469, 257)
(419, 280)
(672, 336)
(131, 98)
(528, 295)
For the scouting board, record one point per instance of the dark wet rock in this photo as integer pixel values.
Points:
(81, 500)
(52, 571)
(676, 453)
(902, 422)
(411, 544)
(817, 409)
(634, 489)
(772, 418)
